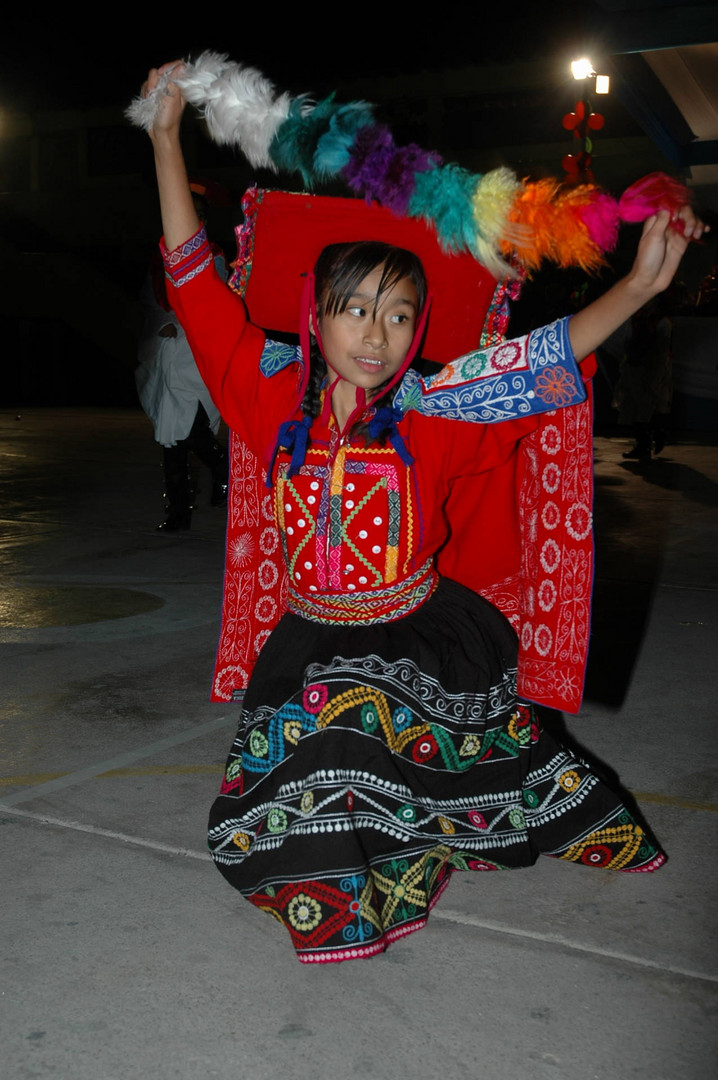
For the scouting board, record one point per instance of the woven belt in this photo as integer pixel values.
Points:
(366, 608)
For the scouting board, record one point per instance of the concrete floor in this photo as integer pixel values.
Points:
(125, 954)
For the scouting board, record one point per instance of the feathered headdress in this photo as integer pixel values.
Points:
(493, 216)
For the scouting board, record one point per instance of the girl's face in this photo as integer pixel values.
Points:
(367, 342)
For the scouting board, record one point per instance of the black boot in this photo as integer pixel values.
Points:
(201, 441)
(642, 450)
(177, 488)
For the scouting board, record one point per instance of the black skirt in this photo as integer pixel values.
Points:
(372, 761)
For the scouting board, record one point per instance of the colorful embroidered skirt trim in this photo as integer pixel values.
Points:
(374, 761)
(370, 607)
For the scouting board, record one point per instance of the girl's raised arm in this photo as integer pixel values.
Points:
(659, 252)
(179, 218)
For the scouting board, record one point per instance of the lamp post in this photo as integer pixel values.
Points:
(582, 122)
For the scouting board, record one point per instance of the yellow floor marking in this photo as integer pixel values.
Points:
(674, 800)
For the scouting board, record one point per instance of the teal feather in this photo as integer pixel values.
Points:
(295, 143)
(443, 197)
(334, 146)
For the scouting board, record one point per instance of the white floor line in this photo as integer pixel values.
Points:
(121, 761)
(576, 946)
(111, 834)
(438, 913)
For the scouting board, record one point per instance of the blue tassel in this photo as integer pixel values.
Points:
(292, 437)
(384, 422)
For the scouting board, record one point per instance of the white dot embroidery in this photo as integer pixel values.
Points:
(301, 523)
(307, 566)
(314, 485)
(351, 587)
(290, 530)
(312, 588)
(288, 507)
(362, 581)
(349, 567)
(350, 487)
(311, 499)
(376, 549)
(297, 575)
(363, 534)
(378, 520)
(349, 504)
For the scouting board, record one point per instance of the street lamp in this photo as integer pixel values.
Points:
(582, 121)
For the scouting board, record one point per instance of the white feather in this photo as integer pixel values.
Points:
(142, 112)
(240, 105)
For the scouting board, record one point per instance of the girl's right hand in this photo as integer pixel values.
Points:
(170, 100)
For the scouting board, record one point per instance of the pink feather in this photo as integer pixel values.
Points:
(650, 194)
(600, 216)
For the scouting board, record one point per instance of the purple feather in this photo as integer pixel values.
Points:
(370, 158)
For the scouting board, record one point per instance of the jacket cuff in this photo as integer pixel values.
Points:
(188, 259)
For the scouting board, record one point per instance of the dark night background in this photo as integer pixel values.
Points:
(78, 214)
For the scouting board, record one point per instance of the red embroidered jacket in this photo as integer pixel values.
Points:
(356, 518)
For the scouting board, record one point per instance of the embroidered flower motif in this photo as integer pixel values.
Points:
(519, 727)
(241, 550)
(517, 817)
(268, 508)
(506, 356)
(477, 820)
(242, 840)
(550, 439)
(547, 594)
(597, 855)
(473, 365)
(402, 718)
(406, 813)
(527, 635)
(292, 731)
(470, 746)
(531, 798)
(567, 684)
(424, 748)
(445, 825)
(543, 639)
(578, 521)
(569, 780)
(315, 698)
(276, 820)
(556, 387)
(269, 540)
(551, 477)
(306, 803)
(369, 717)
(304, 913)
(265, 608)
(227, 679)
(550, 516)
(267, 574)
(234, 770)
(550, 556)
(258, 744)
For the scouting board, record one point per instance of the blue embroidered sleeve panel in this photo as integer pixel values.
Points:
(529, 375)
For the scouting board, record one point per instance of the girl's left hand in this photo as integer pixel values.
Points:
(662, 246)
